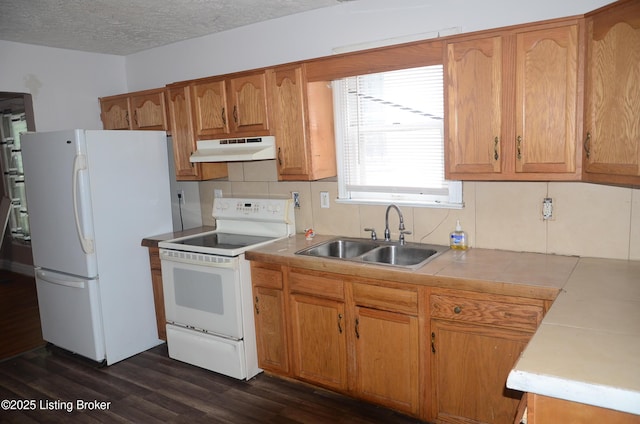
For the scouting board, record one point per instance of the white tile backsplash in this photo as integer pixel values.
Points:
(589, 219)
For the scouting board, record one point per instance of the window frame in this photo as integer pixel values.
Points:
(454, 200)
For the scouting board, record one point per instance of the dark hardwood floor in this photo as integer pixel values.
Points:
(19, 316)
(43, 383)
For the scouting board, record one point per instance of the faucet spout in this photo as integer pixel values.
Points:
(387, 233)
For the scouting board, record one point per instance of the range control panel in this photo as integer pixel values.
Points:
(273, 210)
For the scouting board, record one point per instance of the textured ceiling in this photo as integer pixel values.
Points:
(123, 27)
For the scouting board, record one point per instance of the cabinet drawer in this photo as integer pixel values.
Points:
(386, 298)
(266, 277)
(510, 315)
(301, 281)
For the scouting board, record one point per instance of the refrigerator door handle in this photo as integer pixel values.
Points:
(79, 284)
(80, 164)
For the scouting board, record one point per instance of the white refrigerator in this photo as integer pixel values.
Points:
(93, 196)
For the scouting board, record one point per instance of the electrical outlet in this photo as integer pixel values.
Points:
(181, 198)
(547, 208)
(296, 199)
(324, 199)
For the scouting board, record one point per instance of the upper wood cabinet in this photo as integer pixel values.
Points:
(141, 110)
(248, 104)
(302, 116)
(513, 103)
(612, 113)
(474, 107)
(115, 113)
(184, 139)
(232, 106)
(210, 109)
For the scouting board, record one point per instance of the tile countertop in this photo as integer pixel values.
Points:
(587, 348)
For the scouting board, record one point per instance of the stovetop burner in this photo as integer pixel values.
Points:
(223, 240)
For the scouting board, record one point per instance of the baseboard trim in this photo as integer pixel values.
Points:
(17, 267)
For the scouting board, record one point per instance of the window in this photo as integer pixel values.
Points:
(390, 139)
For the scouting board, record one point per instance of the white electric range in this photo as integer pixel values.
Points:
(207, 285)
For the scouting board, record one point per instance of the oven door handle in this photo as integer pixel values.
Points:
(199, 259)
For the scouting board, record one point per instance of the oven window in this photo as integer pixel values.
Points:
(199, 290)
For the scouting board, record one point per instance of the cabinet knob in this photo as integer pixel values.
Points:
(457, 309)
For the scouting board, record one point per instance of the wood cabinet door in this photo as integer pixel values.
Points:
(548, 410)
(612, 113)
(269, 314)
(210, 109)
(249, 104)
(470, 365)
(182, 132)
(115, 114)
(319, 341)
(387, 358)
(547, 77)
(473, 99)
(288, 104)
(149, 112)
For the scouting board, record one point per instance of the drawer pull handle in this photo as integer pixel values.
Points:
(357, 329)
(433, 342)
(256, 306)
(457, 309)
(340, 323)
(587, 145)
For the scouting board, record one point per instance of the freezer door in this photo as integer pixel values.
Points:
(58, 194)
(70, 313)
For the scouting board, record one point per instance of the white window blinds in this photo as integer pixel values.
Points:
(389, 129)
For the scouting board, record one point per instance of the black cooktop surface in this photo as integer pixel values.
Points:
(223, 240)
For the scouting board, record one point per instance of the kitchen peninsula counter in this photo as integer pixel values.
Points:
(587, 348)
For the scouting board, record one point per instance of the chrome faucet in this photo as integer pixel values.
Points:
(387, 233)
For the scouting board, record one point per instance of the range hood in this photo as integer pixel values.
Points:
(235, 149)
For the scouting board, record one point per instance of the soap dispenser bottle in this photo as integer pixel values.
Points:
(458, 238)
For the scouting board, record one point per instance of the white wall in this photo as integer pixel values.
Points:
(316, 33)
(65, 84)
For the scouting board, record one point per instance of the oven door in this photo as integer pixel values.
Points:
(202, 292)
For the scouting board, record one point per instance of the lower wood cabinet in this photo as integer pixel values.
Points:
(270, 321)
(548, 410)
(158, 294)
(476, 340)
(387, 359)
(319, 341)
(442, 355)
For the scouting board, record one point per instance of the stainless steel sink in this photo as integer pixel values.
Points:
(408, 255)
(341, 248)
(399, 255)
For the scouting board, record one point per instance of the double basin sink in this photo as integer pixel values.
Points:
(408, 255)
